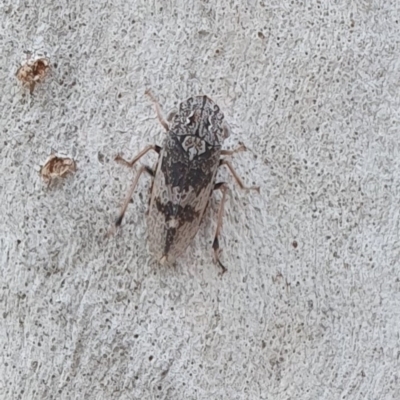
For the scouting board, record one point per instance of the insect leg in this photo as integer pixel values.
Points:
(241, 147)
(121, 214)
(236, 176)
(160, 117)
(119, 159)
(224, 188)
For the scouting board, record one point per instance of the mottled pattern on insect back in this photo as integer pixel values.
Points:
(184, 177)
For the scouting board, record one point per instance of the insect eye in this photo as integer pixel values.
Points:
(172, 116)
(191, 118)
(227, 130)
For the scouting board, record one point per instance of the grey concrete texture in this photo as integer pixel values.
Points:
(310, 305)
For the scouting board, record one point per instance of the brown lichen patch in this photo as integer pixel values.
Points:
(33, 71)
(57, 167)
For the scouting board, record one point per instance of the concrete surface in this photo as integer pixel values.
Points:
(309, 308)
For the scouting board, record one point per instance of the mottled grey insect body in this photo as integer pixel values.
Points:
(185, 176)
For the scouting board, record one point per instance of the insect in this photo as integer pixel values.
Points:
(33, 70)
(184, 177)
(57, 167)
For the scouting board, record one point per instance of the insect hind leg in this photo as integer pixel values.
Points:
(236, 176)
(224, 188)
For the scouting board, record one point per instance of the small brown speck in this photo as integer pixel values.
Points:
(33, 71)
(57, 167)
(294, 244)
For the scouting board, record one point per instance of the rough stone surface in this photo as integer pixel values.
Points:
(309, 308)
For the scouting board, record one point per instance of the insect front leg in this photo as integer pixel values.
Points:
(121, 214)
(130, 164)
(160, 117)
(241, 147)
(224, 188)
(236, 176)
